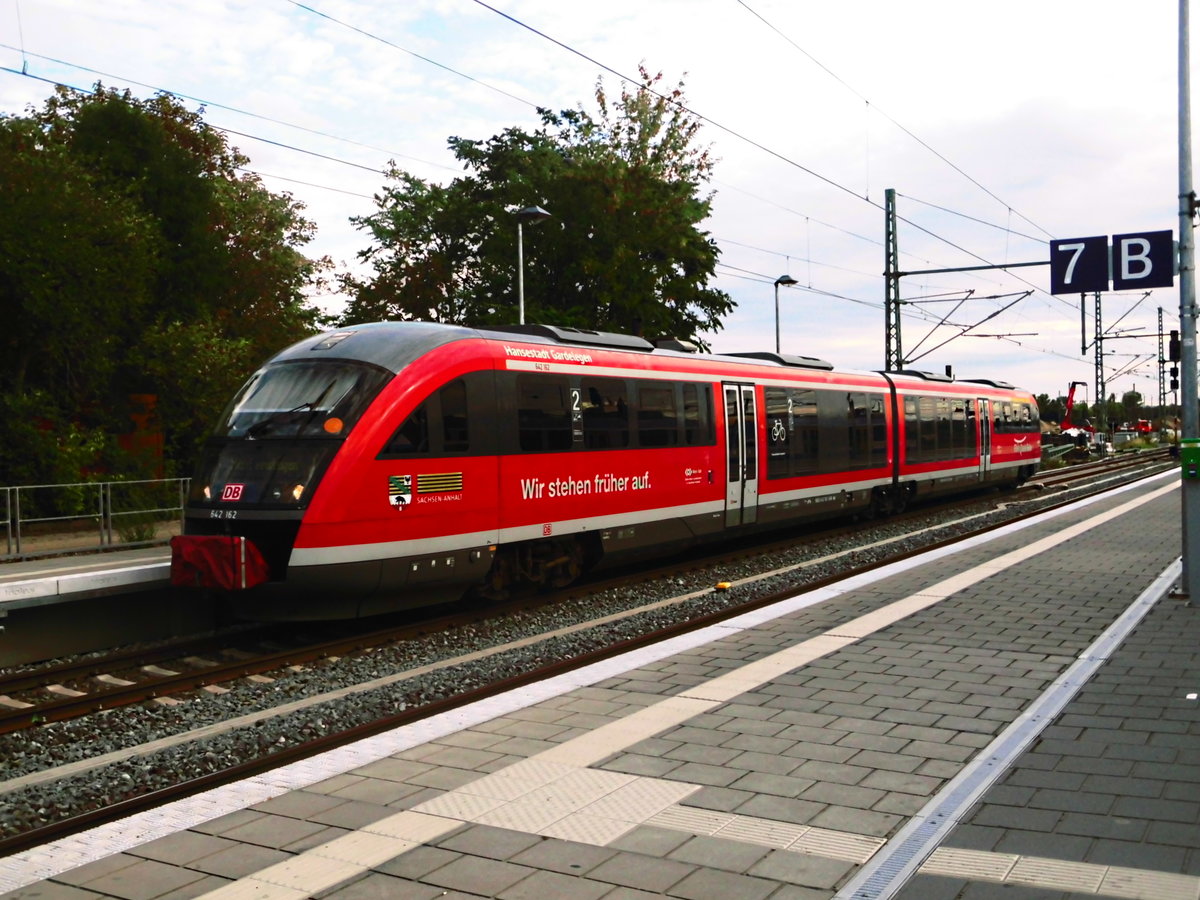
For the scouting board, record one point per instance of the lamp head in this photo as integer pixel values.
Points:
(531, 214)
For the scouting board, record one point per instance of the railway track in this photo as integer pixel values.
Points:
(462, 624)
(1116, 463)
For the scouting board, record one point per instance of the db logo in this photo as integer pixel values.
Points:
(232, 492)
(547, 530)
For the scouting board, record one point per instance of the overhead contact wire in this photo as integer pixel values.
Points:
(927, 146)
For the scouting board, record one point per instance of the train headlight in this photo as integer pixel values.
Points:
(297, 491)
(208, 492)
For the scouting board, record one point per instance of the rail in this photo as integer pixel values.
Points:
(52, 519)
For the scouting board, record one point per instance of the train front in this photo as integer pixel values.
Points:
(264, 462)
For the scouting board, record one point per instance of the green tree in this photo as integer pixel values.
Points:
(1081, 414)
(67, 245)
(624, 250)
(1049, 410)
(139, 259)
(1131, 407)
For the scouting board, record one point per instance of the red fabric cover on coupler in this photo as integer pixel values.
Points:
(228, 563)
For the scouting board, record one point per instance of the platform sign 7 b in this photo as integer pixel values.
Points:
(1142, 260)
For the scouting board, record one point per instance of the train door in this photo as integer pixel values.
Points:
(985, 438)
(741, 448)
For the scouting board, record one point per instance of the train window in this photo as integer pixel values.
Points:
(928, 412)
(732, 438)
(859, 417)
(412, 436)
(605, 413)
(878, 433)
(778, 419)
(912, 430)
(657, 415)
(1028, 419)
(1004, 417)
(455, 419)
(806, 438)
(792, 431)
(543, 413)
(697, 415)
(751, 443)
(945, 429)
(958, 427)
(937, 428)
(298, 399)
(867, 432)
(453, 396)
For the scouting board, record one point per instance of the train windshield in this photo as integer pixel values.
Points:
(312, 399)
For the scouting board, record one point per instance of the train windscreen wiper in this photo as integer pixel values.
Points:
(262, 426)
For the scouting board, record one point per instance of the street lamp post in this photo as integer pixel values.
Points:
(532, 215)
(786, 281)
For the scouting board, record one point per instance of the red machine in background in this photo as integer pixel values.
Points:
(1066, 422)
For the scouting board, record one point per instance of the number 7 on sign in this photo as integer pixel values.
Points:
(1078, 265)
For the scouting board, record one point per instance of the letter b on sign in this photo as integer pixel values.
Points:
(1143, 261)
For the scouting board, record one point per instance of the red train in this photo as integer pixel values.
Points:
(394, 464)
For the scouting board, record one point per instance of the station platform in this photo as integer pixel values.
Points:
(56, 606)
(1015, 716)
(42, 582)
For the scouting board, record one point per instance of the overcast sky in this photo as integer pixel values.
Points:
(1001, 126)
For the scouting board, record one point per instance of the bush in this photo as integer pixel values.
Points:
(41, 448)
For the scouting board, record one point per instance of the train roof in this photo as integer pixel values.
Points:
(389, 345)
(379, 343)
(393, 345)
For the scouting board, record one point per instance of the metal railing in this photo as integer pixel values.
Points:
(51, 519)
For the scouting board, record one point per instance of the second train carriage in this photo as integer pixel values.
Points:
(393, 464)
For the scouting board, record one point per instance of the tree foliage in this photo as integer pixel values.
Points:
(139, 258)
(1050, 409)
(623, 251)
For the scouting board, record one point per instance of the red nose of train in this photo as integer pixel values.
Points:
(223, 562)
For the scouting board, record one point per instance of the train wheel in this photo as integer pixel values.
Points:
(497, 583)
(567, 567)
